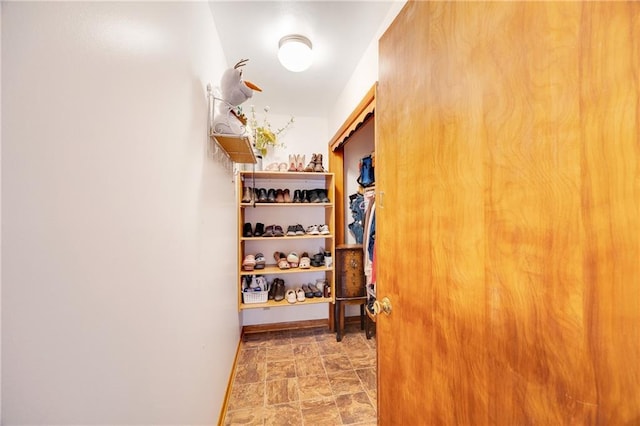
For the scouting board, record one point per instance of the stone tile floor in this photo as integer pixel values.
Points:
(304, 377)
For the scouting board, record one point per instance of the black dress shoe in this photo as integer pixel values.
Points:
(262, 195)
(246, 230)
(271, 196)
(259, 230)
(297, 198)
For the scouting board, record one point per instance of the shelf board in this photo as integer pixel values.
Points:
(243, 205)
(273, 269)
(297, 237)
(237, 147)
(285, 304)
(265, 174)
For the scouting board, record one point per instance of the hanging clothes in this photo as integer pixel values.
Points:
(369, 233)
(357, 212)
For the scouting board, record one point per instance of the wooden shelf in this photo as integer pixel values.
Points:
(286, 204)
(284, 303)
(291, 238)
(288, 175)
(237, 147)
(273, 269)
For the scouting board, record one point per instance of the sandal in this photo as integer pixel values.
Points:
(305, 261)
(249, 262)
(281, 260)
(282, 167)
(260, 261)
(293, 259)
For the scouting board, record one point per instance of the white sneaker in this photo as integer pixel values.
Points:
(300, 294)
(324, 229)
(313, 230)
(291, 296)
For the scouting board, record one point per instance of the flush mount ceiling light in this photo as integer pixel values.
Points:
(294, 52)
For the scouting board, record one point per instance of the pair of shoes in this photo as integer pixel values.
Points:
(296, 162)
(252, 262)
(318, 230)
(315, 165)
(273, 231)
(296, 295)
(281, 260)
(311, 291)
(293, 259)
(305, 261)
(248, 231)
(271, 196)
(249, 262)
(317, 260)
(295, 230)
(276, 167)
(249, 195)
(277, 289)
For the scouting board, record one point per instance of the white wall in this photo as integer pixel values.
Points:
(118, 231)
(364, 76)
(0, 221)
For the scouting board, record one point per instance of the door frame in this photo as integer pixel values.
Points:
(364, 111)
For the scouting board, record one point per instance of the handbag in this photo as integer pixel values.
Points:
(367, 175)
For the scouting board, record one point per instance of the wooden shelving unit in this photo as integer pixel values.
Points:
(298, 213)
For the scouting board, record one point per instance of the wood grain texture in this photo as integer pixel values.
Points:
(508, 152)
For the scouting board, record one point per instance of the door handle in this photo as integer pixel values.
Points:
(383, 305)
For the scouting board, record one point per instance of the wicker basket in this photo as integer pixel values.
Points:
(255, 296)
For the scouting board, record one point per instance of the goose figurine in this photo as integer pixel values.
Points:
(234, 91)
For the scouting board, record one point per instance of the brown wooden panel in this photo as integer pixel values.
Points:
(508, 228)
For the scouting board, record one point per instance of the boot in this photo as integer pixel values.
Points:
(292, 163)
(300, 162)
(247, 194)
(318, 164)
(312, 164)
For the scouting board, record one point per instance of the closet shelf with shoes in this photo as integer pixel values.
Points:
(296, 236)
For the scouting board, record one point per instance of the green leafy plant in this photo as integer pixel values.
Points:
(264, 137)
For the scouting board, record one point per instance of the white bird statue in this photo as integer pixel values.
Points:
(234, 91)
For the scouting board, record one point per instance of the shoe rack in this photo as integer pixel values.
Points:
(284, 214)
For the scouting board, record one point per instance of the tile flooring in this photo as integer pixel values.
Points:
(304, 377)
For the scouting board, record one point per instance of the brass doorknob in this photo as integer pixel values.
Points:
(383, 305)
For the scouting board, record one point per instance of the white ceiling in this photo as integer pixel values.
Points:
(340, 32)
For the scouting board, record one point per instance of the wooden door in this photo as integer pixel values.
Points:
(508, 214)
